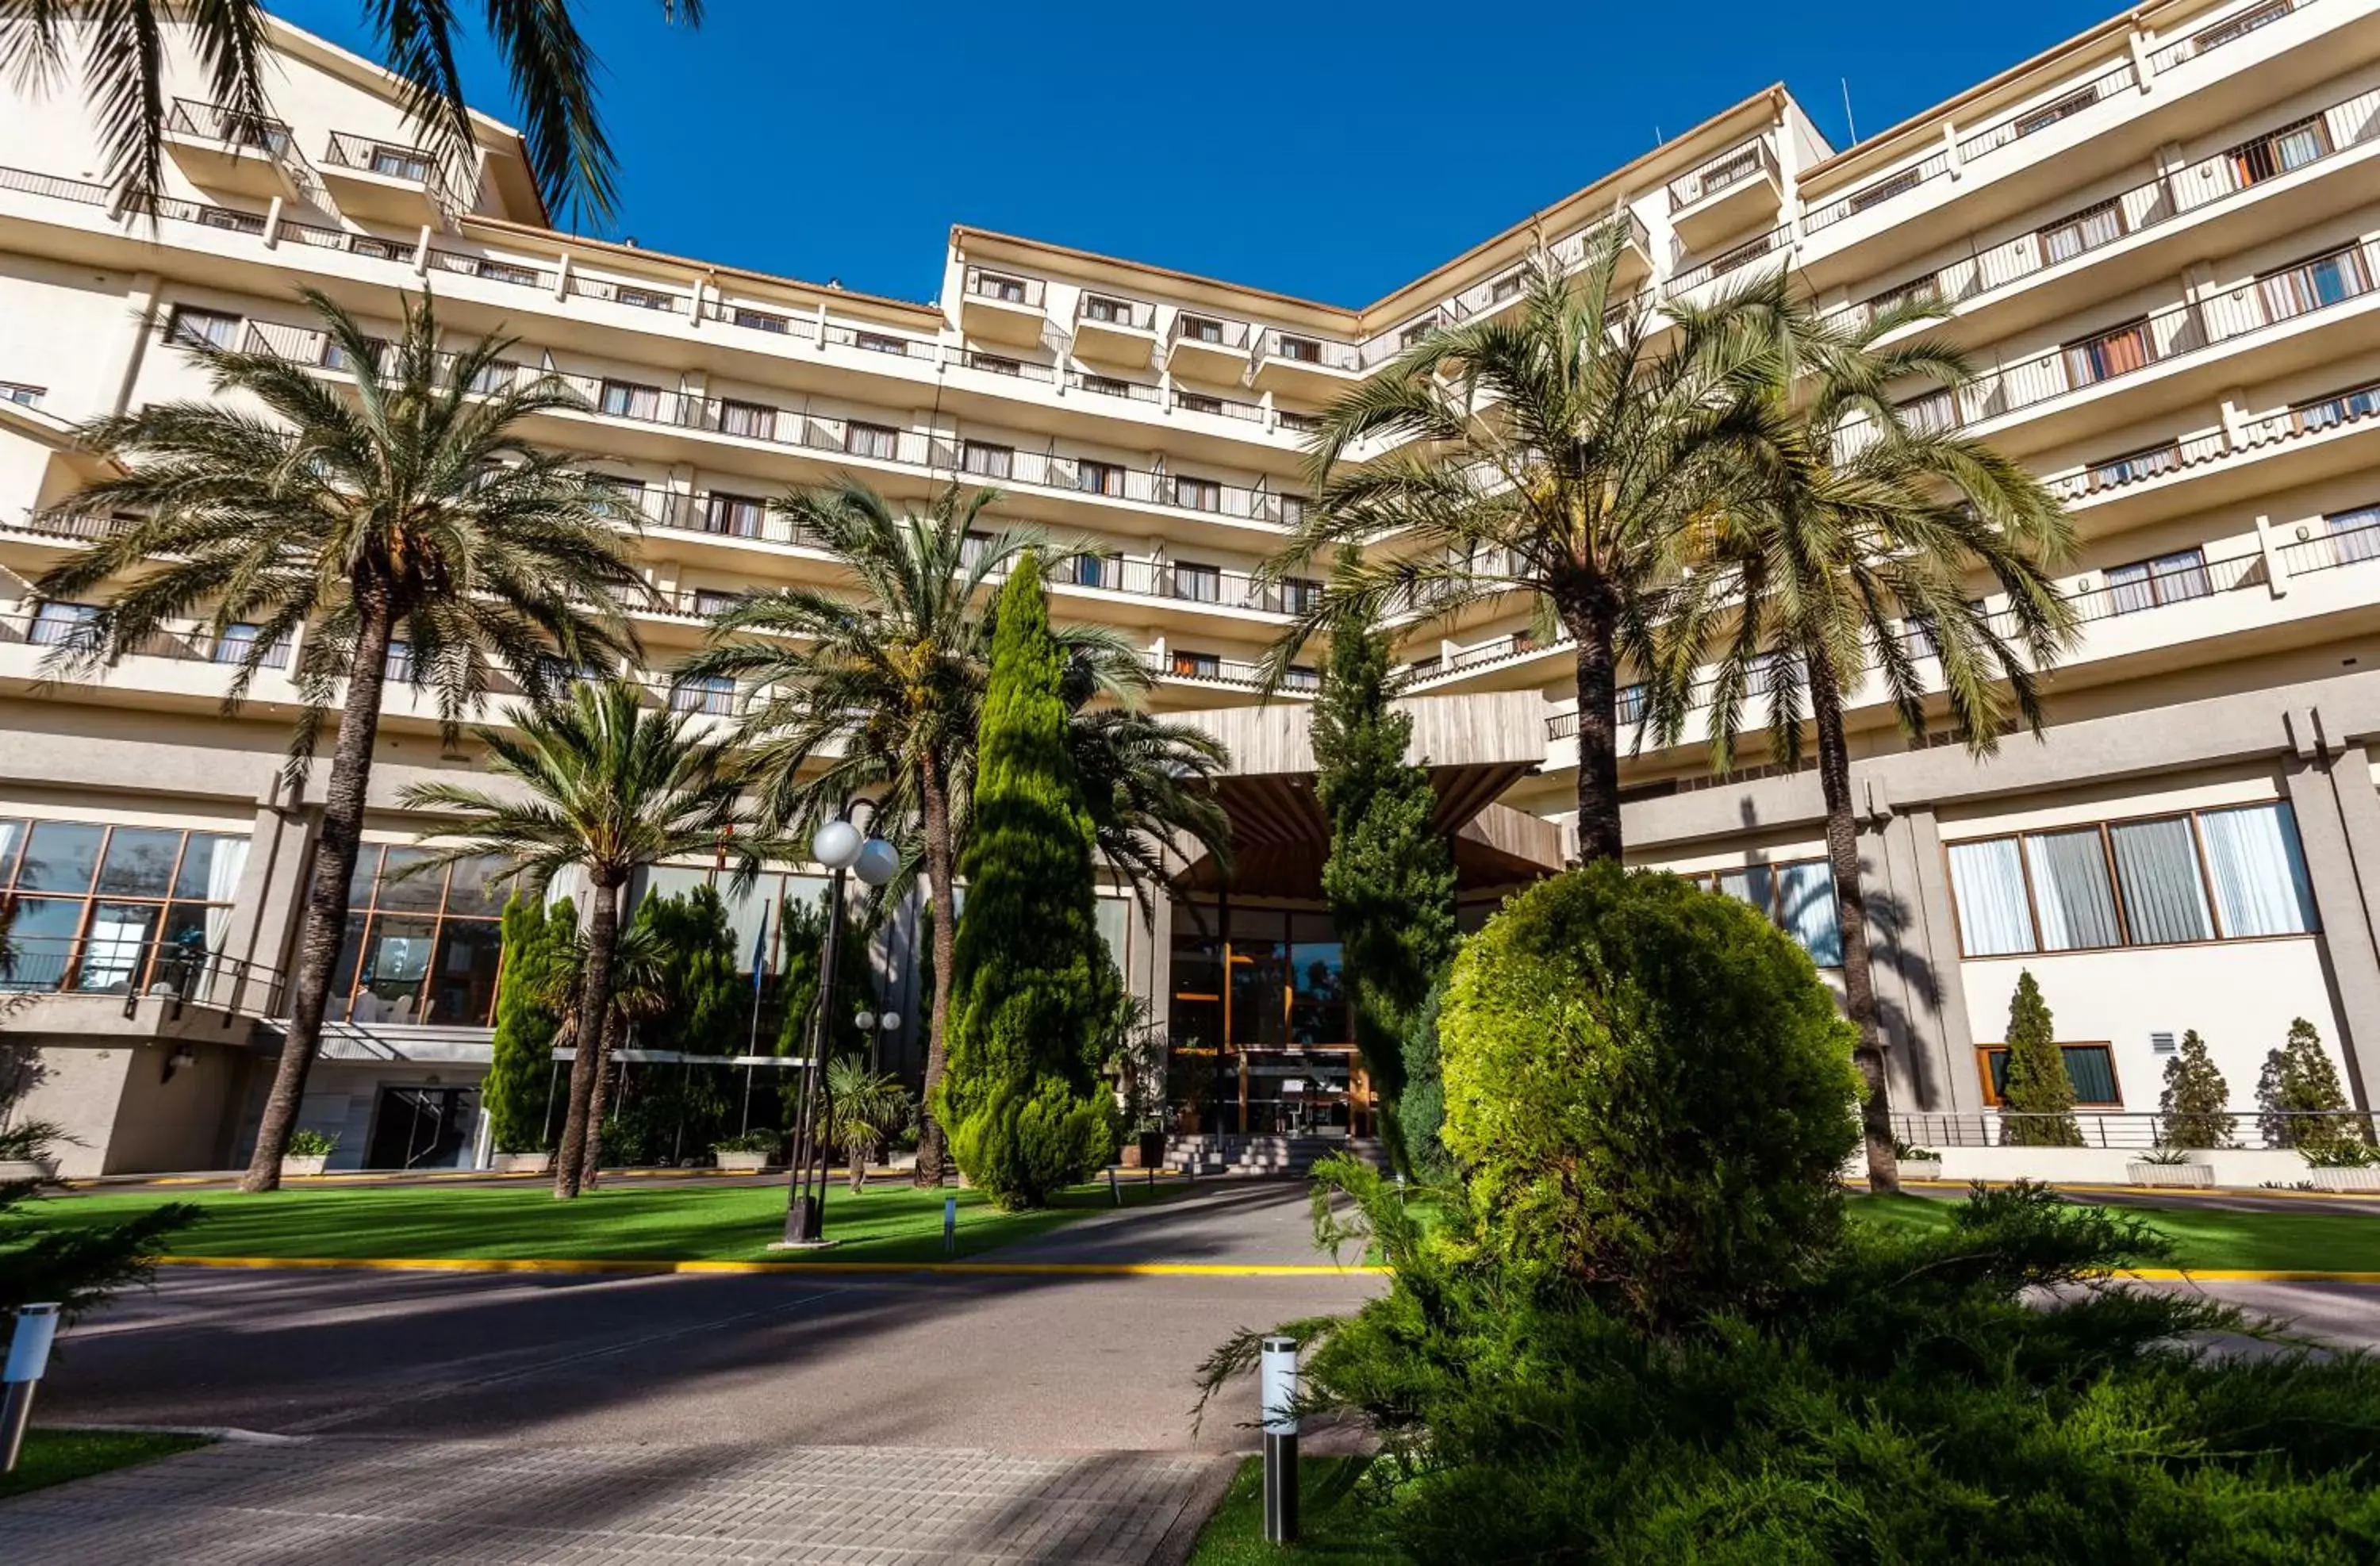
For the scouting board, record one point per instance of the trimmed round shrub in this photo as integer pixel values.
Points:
(1023, 1147)
(1650, 1091)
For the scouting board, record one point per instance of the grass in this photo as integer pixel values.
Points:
(53, 1457)
(620, 1222)
(1334, 1523)
(2204, 1237)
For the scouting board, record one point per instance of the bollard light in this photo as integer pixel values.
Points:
(1278, 1395)
(950, 1224)
(29, 1357)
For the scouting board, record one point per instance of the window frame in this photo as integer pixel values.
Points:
(1984, 1054)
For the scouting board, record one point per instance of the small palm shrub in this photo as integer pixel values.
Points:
(1577, 1025)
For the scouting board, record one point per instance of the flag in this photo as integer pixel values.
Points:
(760, 952)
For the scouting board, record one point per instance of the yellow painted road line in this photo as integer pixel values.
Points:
(2244, 1275)
(959, 1269)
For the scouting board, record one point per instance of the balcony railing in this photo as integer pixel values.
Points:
(1005, 287)
(129, 964)
(397, 160)
(1775, 242)
(72, 522)
(1108, 309)
(634, 296)
(56, 625)
(1215, 330)
(1730, 168)
(1290, 348)
(2302, 143)
(2250, 19)
(1206, 668)
(232, 127)
(2120, 1128)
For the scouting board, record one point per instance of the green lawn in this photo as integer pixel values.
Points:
(626, 1222)
(1333, 1523)
(52, 1457)
(2312, 1241)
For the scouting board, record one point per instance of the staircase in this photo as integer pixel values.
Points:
(1263, 1157)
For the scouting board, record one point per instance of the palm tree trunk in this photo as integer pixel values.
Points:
(612, 1027)
(1591, 618)
(324, 932)
(594, 1001)
(1851, 900)
(935, 799)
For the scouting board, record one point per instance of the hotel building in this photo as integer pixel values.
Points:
(2160, 241)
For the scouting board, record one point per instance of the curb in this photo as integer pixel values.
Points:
(789, 1269)
(2187, 1193)
(2241, 1275)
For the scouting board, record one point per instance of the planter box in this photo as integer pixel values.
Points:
(2198, 1175)
(2365, 1179)
(522, 1163)
(295, 1165)
(750, 1163)
(1146, 1150)
(15, 1170)
(1920, 1169)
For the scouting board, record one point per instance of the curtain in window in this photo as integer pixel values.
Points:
(224, 867)
(1805, 906)
(1987, 881)
(2354, 535)
(2070, 888)
(2092, 1073)
(2259, 871)
(1751, 885)
(2156, 863)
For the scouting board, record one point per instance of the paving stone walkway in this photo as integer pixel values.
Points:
(370, 1502)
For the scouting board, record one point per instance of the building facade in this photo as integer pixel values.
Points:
(2161, 240)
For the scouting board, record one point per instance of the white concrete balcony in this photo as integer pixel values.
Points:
(1738, 192)
(1001, 307)
(1308, 369)
(230, 153)
(1763, 252)
(385, 181)
(1211, 348)
(1115, 331)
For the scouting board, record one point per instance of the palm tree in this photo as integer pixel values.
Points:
(606, 786)
(863, 1109)
(875, 689)
(400, 520)
(1558, 457)
(639, 991)
(1859, 554)
(1146, 782)
(125, 47)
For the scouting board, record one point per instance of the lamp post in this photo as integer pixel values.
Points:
(840, 846)
(876, 1025)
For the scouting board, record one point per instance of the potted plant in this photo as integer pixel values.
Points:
(310, 1152)
(1918, 1163)
(1144, 1145)
(752, 1151)
(2169, 1166)
(2341, 1163)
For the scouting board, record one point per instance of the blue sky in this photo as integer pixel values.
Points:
(1331, 152)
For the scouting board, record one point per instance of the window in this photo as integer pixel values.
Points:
(1302, 677)
(992, 285)
(2143, 882)
(987, 460)
(26, 396)
(1094, 571)
(334, 354)
(1196, 494)
(1105, 385)
(1882, 190)
(754, 421)
(506, 272)
(1505, 287)
(2118, 352)
(118, 908)
(626, 399)
(2345, 407)
(492, 378)
(1738, 164)
(1299, 350)
(1299, 595)
(993, 364)
(191, 328)
(1297, 423)
(1098, 307)
(879, 343)
(758, 320)
(402, 162)
(2051, 113)
(1198, 329)
(1198, 584)
(1197, 402)
(2151, 584)
(238, 639)
(2091, 1067)
(56, 625)
(2354, 535)
(2086, 230)
(871, 440)
(2134, 466)
(972, 547)
(2238, 27)
(1933, 413)
(419, 949)
(713, 695)
(709, 601)
(1198, 665)
(643, 298)
(2310, 285)
(1098, 478)
(1414, 335)
(1292, 510)
(2277, 152)
(733, 516)
(1628, 703)
(1800, 897)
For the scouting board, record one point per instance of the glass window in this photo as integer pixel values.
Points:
(2354, 535)
(2072, 890)
(1099, 478)
(1987, 883)
(420, 890)
(2156, 863)
(1752, 884)
(12, 837)
(60, 857)
(108, 927)
(463, 986)
(395, 960)
(115, 944)
(625, 399)
(987, 460)
(1198, 584)
(140, 861)
(752, 421)
(1805, 906)
(2090, 1067)
(2259, 871)
(192, 328)
(871, 440)
(56, 624)
(2151, 584)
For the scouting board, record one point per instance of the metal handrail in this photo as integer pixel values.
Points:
(372, 154)
(1725, 171)
(2122, 1129)
(177, 971)
(232, 127)
(986, 284)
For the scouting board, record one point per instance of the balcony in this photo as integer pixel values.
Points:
(1736, 193)
(228, 151)
(1109, 329)
(999, 307)
(1769, 249)
(1310, 368)
(1206, 347)
(387, 181)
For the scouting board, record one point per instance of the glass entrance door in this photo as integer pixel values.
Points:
(423, 1128)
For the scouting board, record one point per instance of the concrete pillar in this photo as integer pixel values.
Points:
(1916, 964)
(2339, 826)
(270, 899)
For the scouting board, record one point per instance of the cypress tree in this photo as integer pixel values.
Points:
(1389, 881)
(2299, 1081)
(520, 1066)
(2196, 1101)
(1033, 988)
(2038, 1085)
(708, 999)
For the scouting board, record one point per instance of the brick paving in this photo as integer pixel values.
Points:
(373, 1502)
